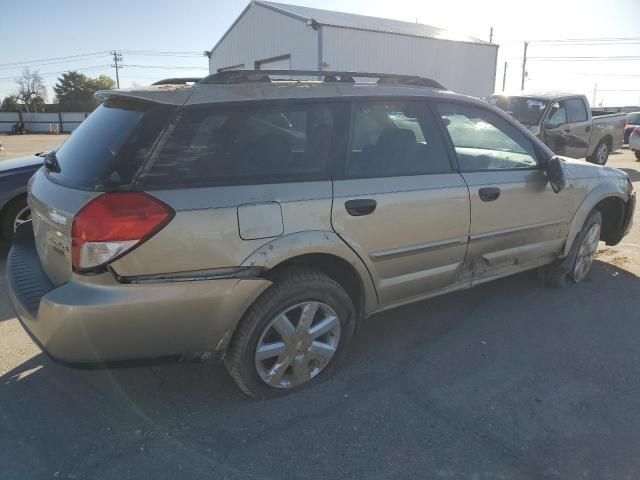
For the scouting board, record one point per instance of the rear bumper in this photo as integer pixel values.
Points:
(97, 319)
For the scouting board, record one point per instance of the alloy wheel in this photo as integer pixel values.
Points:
(587, 253)
(297, 344)
(602, 154)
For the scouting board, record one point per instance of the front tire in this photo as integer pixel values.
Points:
(575, 267)
(16, 212)
(294, 334)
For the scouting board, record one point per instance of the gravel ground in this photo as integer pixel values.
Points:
(510, 380)
(14, 146)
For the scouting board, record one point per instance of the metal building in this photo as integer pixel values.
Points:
(270, 35)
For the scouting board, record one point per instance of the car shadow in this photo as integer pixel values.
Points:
(634, 175)
(424, 362)
(6, 311)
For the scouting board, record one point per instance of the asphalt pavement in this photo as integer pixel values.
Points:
(510, 380)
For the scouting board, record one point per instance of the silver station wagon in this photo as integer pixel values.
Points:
(260, 216)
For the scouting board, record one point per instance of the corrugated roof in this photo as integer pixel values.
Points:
(364, 22)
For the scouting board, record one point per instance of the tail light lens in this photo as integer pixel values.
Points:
(636, 132)
(113, 224)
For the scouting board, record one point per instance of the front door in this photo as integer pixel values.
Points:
(399, 203)
(556, 130)
(517, 221)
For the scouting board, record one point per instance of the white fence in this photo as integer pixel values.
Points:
(42, 122)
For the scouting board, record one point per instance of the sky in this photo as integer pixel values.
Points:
(35, 32)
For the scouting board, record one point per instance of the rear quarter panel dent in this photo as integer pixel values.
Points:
(297, 244)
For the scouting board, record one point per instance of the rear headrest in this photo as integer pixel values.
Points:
(396, 137)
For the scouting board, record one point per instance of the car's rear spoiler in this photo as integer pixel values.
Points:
(169, 94)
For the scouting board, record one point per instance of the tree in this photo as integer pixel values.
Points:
(75, 90)
(103, 82)
(10, 104)
(31, 89)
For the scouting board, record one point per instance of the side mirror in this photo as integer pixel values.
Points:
(555, 174)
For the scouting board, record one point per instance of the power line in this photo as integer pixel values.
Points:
(86, 56)
(588, 59)
(166, 67)
(93, 57)
(592, 39)
(48, 74)
(601, 74)
(31, 62)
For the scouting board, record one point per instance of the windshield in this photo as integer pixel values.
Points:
(107, 149)
(633, 119)
(527, 111)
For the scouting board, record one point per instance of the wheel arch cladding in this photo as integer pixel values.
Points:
(325, 252)
(611, 204)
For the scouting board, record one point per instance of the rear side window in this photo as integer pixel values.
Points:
(248, 144)
(110, 146)
(576, 111)
(395, 139)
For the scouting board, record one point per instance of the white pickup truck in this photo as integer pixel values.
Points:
(566, 123)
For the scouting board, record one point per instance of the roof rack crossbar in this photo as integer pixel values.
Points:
(265, 76)
(177, 81)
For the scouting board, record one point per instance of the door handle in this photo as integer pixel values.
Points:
(489, 194)
(360, 207)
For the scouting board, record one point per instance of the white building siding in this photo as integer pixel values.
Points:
(262, 34)
(462, 67)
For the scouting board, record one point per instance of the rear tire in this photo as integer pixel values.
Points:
(601, 153)
(575, 266)
(302, 352)
(15, 212)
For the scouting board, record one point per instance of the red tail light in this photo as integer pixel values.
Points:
(636, 132)
(113, 224)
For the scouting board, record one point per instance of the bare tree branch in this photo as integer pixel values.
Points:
(31, 89)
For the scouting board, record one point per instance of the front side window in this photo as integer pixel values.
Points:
(250, 144)
(576, 111)
(484, 141)
(557, 115)
(395, 139)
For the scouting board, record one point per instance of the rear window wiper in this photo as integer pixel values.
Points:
(51, 162)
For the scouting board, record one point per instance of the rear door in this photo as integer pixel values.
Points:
(517, 221)
(398, 201)
(579, 125)
(238, 176)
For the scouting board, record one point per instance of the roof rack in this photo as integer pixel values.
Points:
(177, 81)
(265, 76)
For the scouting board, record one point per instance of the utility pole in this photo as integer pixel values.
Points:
(504, 76)
(524, 64)
(117, 57)
(491, 35)
(595, 94)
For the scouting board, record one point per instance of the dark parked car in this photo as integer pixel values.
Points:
(14, 176)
